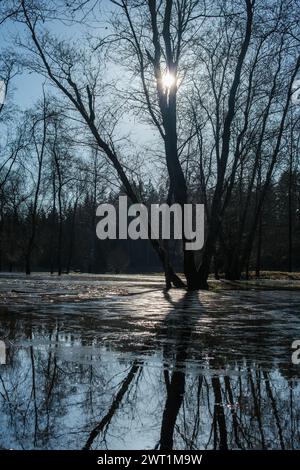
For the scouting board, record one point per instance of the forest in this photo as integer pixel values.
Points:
(212, 87)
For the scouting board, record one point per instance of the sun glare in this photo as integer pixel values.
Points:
(168, 80)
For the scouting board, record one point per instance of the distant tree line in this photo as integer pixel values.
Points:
(53, 228)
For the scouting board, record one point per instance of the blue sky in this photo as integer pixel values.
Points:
(26, 88)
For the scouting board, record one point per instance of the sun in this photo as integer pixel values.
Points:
(168, 80)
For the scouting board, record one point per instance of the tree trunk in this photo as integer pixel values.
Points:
(72, 237)
(258, 252)
(290, 209)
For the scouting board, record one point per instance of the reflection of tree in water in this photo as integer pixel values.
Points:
(179, 324)
(33, 393)
(101, 427)
(50, 400)
(38, 390)
(244, 408)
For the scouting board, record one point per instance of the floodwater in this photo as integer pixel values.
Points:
(114, 364)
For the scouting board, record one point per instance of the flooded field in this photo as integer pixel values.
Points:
(117, 363)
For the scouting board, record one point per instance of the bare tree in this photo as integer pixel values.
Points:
(39, 144)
